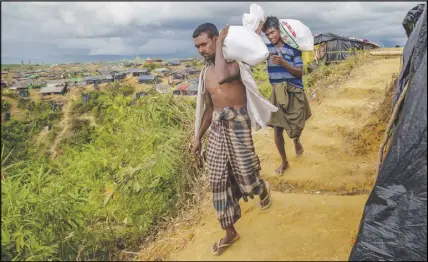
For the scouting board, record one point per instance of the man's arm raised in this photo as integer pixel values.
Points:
(225, 72)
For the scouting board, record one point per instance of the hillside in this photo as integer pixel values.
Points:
(113, 170)
(318, 202)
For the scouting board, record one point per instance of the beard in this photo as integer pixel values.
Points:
(210, 59)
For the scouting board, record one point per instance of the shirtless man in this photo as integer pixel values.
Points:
(233, 164)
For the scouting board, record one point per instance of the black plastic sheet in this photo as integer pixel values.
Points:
(394, 221)
(339, 47)
(411, 18)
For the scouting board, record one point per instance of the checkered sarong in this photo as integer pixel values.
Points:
(233, 164)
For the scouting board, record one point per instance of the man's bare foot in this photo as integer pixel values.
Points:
(299, 148)
(280, 170)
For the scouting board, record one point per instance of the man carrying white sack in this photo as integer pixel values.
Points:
(285, 69)
(229, 103)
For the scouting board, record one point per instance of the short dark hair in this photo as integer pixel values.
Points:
(208, 28)
(271, 21)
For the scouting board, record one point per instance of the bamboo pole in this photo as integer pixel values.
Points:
(386, 53)
(386, 135)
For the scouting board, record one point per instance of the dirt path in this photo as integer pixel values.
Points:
(65, 124)
(329, 163)
(301, 226)
(65, 121)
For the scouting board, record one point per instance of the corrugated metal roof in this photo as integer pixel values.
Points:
(183, 87)
(55, 82)
(22, 84)
(163, 89)
(193, 85)
(98, 77)
(52, 88)
(147, 77)
(191, 70)
(180, 73)
(137, 70)
(161, 70)
(174, 62)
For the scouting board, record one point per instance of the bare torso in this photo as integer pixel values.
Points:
(230, 94)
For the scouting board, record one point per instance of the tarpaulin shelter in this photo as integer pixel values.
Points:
(162, 88)
(411, 18)
(394, 221)
(183, 87)
(147, 79)
(331, 47)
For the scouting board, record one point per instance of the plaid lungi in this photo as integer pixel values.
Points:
(233, 164)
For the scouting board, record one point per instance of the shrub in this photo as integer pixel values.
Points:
(113, 181)
(117, 88)
(150, 66)
(10, 93)
(5, 105)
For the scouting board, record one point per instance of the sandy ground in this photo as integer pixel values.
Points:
(329, 163)
(295, 227)
(316, 221)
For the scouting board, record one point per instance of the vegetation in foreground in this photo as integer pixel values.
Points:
(107, 189)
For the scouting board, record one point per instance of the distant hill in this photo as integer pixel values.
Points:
(91, 58)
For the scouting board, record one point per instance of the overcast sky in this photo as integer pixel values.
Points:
(41, 29)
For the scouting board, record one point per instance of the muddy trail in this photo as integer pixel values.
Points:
(318, 202)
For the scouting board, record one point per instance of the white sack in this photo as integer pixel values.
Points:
(296, 34)
(245, 46)
(293, 32)
(252, 20)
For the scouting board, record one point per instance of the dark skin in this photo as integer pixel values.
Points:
(224, 88)
(273, 34)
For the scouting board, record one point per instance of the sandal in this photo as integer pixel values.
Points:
(263, 205)
(218, 248)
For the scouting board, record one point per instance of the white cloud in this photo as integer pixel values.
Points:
(127, 28)
(162, 46)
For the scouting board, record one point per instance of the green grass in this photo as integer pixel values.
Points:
(324, 75)
(115, 180)
(321, 77)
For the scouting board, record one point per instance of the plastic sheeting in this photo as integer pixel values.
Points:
(394, 221)
(338, 47)
(411, 18)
